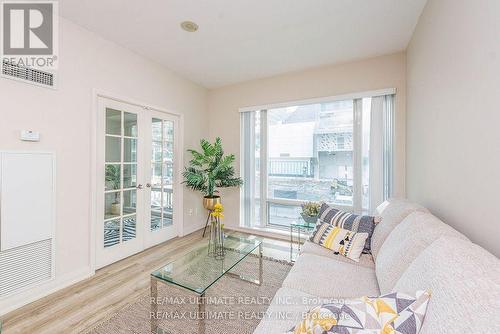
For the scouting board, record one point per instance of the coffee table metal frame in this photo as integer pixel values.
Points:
(301, 226)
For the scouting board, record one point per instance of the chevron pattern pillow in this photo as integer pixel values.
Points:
(344, 242)
(394, 313)
(348, 221)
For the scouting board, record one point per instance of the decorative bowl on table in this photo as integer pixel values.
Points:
(309, 220)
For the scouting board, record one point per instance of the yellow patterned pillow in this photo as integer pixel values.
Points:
(344, 242)
(393, 313)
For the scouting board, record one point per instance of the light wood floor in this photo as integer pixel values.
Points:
(80, 306)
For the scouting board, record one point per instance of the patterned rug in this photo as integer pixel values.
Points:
(233, 306)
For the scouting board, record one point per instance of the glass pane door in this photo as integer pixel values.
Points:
(135, 163)
(120, 168)
(162, 165)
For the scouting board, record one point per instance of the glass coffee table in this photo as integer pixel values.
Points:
(196, 272)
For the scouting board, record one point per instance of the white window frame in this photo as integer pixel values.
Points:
(246, 143)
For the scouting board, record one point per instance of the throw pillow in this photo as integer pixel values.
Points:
(349, 221)
(394, 313)
(344, 242)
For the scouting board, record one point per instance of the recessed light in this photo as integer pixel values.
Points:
(189, 26)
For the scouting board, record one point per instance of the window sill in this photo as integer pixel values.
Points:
(268, 232)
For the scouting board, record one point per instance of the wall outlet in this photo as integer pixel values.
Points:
(190, 212)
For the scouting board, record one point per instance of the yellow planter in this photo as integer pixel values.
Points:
(209, 202)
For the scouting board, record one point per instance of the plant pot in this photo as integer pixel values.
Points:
(209, 202)
(115, 209)
(311, 220)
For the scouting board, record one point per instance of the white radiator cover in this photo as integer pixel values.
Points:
(27, 220)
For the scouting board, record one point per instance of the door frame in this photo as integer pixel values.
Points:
(178, 188)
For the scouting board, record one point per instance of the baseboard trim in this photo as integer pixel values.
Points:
(192, 229)
(26, 297)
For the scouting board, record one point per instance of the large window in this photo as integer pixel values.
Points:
(308, 152)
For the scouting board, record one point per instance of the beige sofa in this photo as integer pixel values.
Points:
(412, 250)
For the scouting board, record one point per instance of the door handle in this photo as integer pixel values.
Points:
(139, 186)
(148, 185)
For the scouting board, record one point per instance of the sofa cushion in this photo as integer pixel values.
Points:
(391, 213)
(366, 260)
(348, 221)
(338, 240)
(326, 277)
(408, 239)
(286, 309)
(464, 280)
(390, 313)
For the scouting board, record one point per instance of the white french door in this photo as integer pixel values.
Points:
(162, 163)
(136, 177)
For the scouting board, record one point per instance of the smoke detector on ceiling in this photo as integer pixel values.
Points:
(189, 26)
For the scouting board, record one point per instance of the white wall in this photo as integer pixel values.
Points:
(63, 118)
(359, 76)
(453, 116)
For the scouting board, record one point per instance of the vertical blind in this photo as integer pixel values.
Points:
(381, 149)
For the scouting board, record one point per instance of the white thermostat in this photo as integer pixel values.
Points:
(28, 135)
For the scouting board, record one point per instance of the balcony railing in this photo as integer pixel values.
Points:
(290, 167)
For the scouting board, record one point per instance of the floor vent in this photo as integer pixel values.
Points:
(25, 266)
(26, 74)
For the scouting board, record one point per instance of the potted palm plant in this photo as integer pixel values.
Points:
(208, 170)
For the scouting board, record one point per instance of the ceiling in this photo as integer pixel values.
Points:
(240, 40)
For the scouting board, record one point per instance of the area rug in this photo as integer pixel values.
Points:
(233, 306)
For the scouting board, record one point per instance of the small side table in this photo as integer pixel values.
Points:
(298, 227)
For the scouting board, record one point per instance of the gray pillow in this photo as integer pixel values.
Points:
(348, 221)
